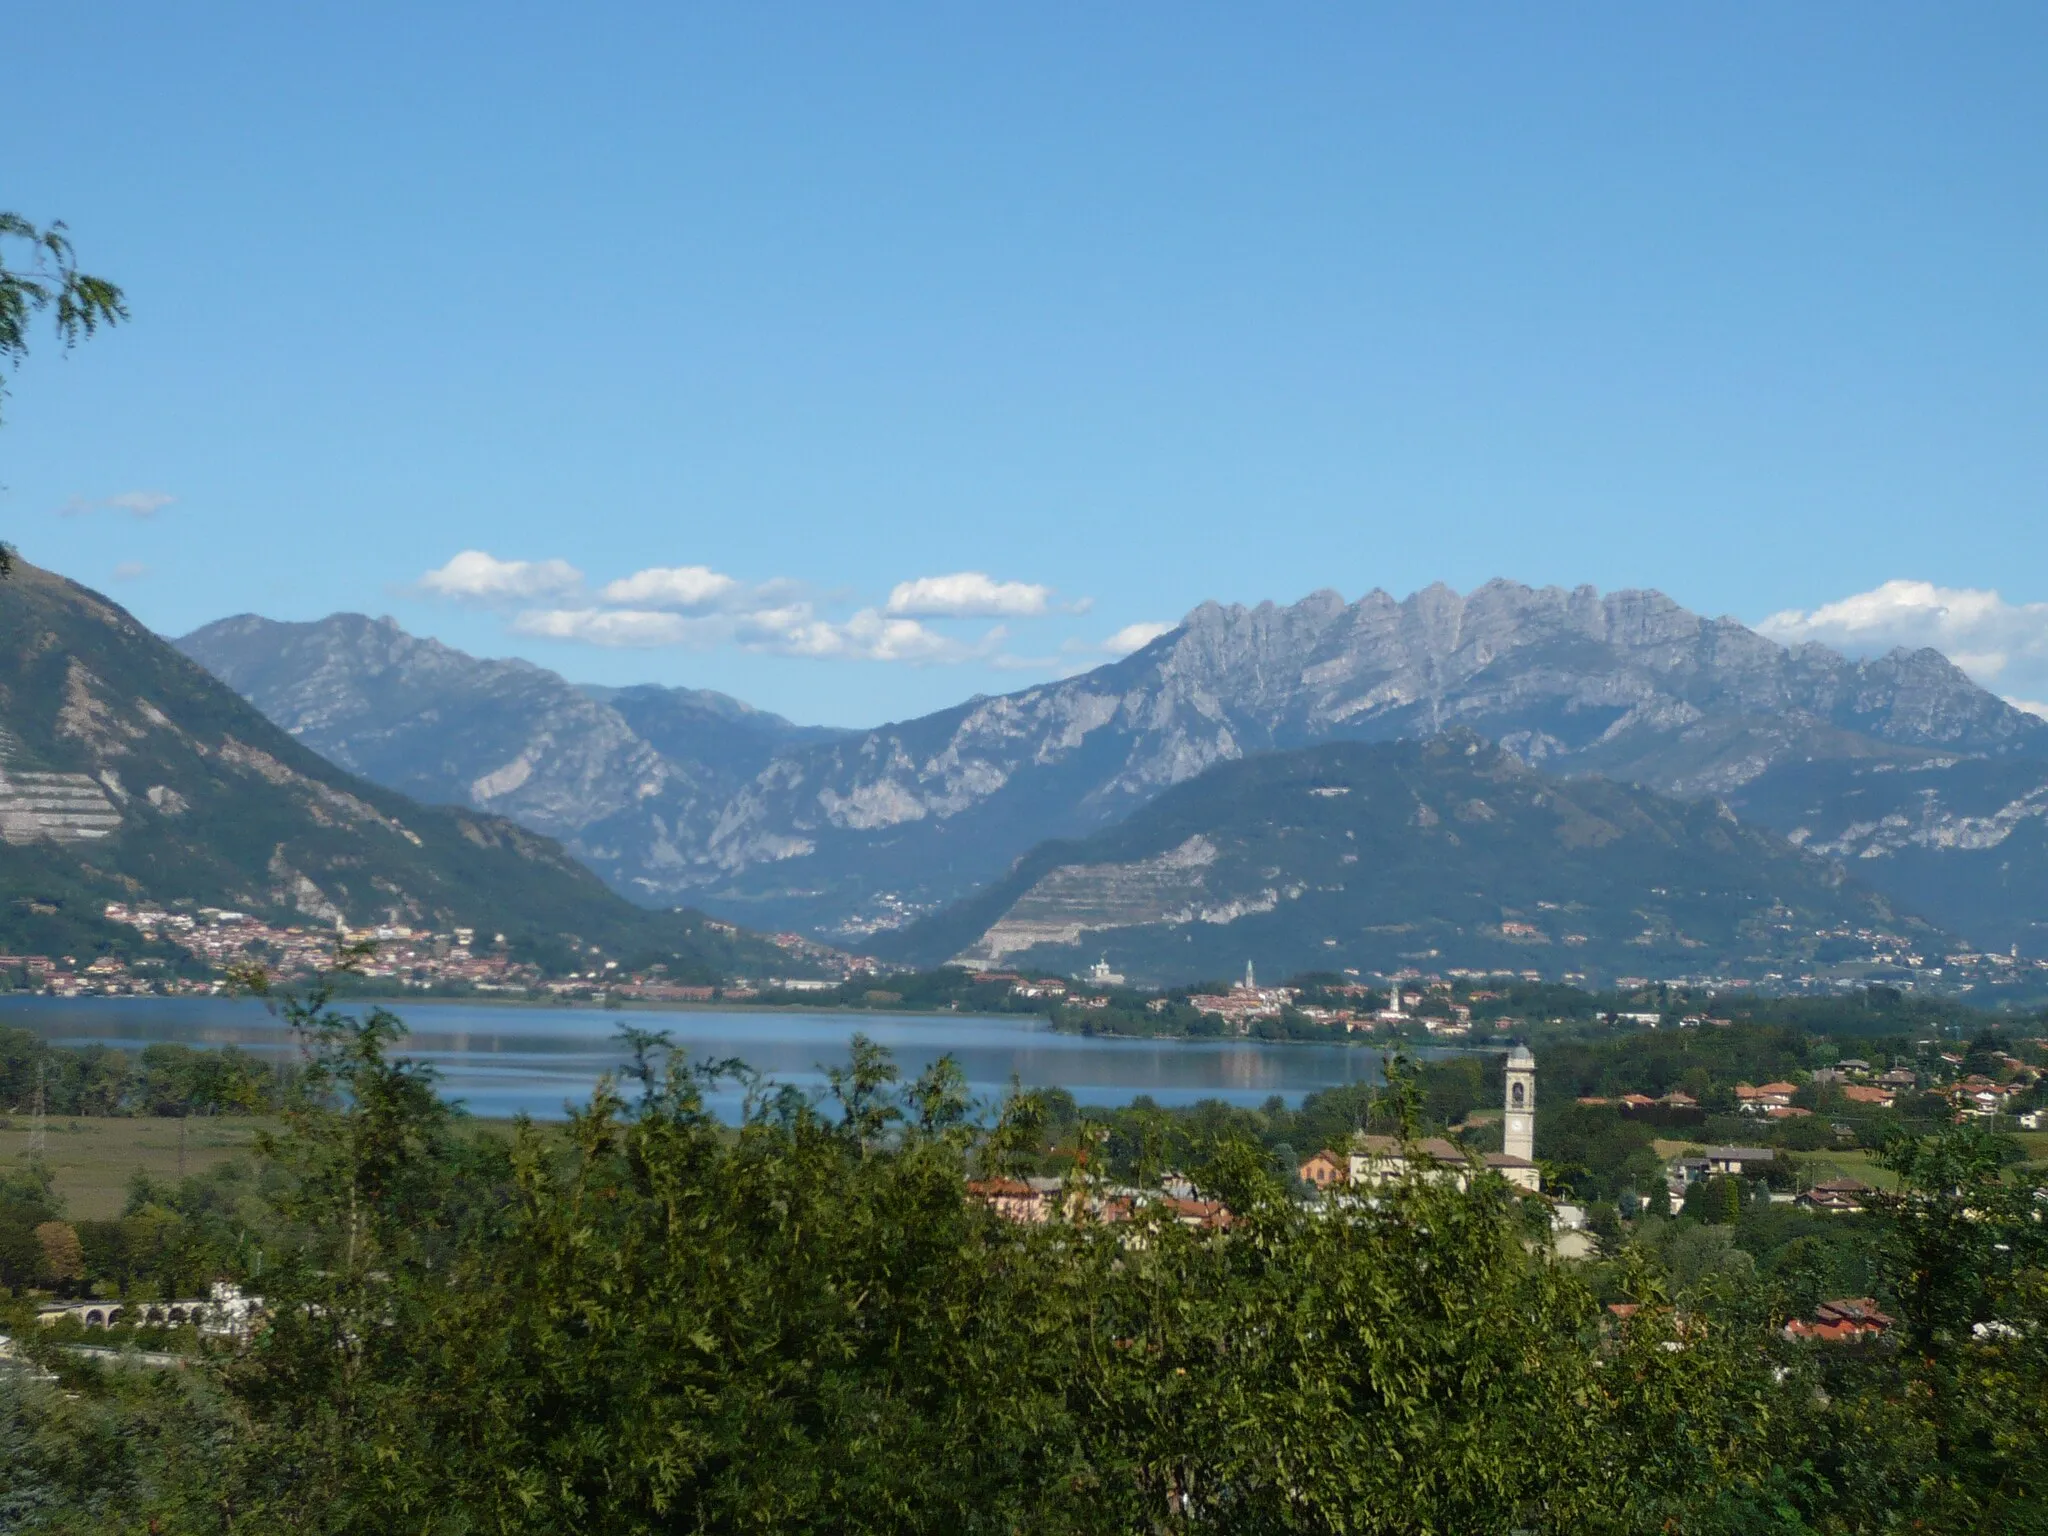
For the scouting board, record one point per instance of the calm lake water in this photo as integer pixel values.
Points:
(502, 1061)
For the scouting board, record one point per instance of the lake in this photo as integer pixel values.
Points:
(502, 1061)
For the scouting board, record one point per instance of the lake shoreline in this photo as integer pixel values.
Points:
(820, 1010)
(502, 1059)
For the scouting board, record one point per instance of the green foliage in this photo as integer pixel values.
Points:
(48, 283)
(1596, 1153)
(163, 1079)
(650, 1321)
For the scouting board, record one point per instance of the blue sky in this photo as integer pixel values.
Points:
(714, 338)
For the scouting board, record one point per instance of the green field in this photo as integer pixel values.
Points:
(1845, 1163)
(94, 1158)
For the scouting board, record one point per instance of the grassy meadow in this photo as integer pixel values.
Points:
(94, 1157)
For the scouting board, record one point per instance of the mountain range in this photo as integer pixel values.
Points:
(1628, 685)
(1930, 787)
(1442, 853)
(627, 778)
(129, 773)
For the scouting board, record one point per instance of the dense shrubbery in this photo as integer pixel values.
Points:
(655, 1322)
(161, 1079)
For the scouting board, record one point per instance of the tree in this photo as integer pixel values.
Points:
(63, 1257)
(48, 280)
(1963, 1253)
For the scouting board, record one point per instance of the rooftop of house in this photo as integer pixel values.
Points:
(1852, 1309)
(1433, 1147)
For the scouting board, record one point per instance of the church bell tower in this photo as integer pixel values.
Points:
(1519, 1128)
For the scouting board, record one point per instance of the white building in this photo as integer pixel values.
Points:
(1375, 1159)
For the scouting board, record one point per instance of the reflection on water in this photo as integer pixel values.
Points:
(505, 1060)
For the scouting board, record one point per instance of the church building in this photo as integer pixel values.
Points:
(1375, 1159)
(1516, 1160)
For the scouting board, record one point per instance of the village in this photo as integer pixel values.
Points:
(457, 961)
(1356, 1181)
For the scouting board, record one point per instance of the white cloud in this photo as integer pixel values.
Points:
(968, 595)
(1134, 637)
(475, 577)
(130, 570)
(140, 503)
(873, 636)
(1999, 644)
(792, 629)
(619, 628)
(672, 586)
(134, 503)
(697, 607)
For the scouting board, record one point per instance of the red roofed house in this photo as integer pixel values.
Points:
(1840, 1197)
(1013, 1199)
(1853, 1317)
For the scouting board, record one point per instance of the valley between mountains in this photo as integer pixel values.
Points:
(1763, 807)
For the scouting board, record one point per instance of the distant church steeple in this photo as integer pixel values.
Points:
(1250, 982)
(1518, 1137)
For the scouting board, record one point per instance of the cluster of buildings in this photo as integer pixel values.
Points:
(1630, 1103)
(1035, 1201)
(402, 957)
(1372, 1160)
(1245, 1003)
(1369, 1161)
(106, 976)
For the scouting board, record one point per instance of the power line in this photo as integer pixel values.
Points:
(38, 1125)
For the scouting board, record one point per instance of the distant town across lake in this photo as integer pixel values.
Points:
(501, 1061)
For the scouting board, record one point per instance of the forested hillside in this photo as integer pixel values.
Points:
(1446, 854)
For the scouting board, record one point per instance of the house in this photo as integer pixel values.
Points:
(1753, 1100)
(1201, 1215)
(1018, 1200)
(1850, 1318)
(1382, 1159)
(1679, 1099)
(1325, 1169)
(1738, 1161)
(1864, 1093)
(1837, 1197)
(1570, 1236)
(1978, 1097)
(1897, 1078)
(1521, 1172)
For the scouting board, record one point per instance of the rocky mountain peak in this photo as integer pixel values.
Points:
(630, 779)
(675, 794)
(1629, 684)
